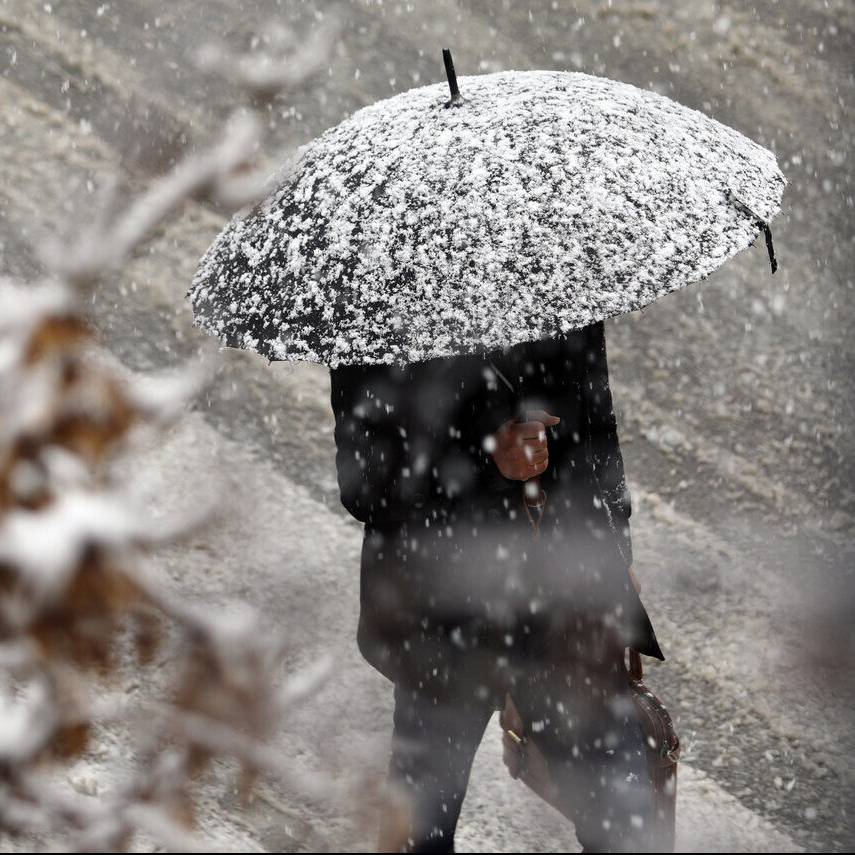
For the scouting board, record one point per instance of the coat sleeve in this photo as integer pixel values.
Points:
(465, 467)
(377, 480)
(605, 449)
(388, 465)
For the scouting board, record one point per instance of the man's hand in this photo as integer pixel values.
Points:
(519, 448)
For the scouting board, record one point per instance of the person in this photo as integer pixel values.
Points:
(466, 596)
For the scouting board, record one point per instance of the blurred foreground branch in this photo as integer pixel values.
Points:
(73, 580)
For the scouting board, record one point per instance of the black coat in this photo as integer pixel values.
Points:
(453, 585)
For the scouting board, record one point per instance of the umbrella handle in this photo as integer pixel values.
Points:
(534, 496)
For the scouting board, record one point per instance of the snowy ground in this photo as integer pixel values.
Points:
(307, 577)
(735, 398)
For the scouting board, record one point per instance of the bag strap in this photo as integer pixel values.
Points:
(635, 670)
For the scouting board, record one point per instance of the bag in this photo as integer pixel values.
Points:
(663, 752)
(527, 763)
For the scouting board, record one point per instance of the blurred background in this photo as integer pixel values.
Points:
(734, 398)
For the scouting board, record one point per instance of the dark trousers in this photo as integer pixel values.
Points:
(580, 713)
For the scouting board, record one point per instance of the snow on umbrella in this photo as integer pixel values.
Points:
(535, 203)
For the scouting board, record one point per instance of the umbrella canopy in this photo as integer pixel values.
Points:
(536, 203)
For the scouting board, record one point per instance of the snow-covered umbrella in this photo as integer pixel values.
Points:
(526, 205)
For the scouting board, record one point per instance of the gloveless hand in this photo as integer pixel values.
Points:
(519, 449)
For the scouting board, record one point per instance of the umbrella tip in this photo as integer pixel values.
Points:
(456, 98)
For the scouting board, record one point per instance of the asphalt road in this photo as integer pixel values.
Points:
(735, 397)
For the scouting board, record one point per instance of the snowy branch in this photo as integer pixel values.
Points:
(74, 584)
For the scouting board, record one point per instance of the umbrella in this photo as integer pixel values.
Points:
(526, 205)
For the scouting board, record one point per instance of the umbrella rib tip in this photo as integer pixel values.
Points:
(762, 224)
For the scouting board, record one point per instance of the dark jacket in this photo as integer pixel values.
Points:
(451, 577)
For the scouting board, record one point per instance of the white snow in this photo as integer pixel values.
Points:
(547, 201)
